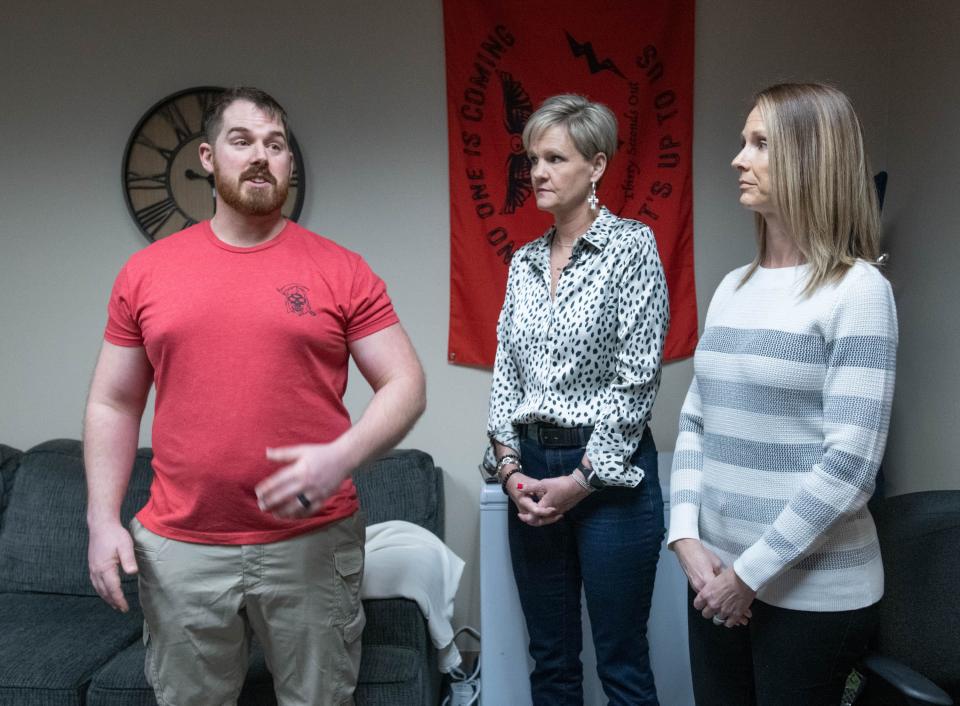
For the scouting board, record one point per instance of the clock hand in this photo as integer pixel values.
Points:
(190, 174)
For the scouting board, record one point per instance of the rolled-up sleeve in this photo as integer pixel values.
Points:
(643, 315)
(505, 388)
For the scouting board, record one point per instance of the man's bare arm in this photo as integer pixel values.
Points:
(389, 363)
(111, 428)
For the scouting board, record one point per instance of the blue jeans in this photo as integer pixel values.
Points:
(608, 544)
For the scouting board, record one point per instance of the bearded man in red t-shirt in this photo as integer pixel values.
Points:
(245, 324)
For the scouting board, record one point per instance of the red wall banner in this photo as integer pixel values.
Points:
(504, 58)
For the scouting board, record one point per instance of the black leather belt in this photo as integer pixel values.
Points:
(551, 435)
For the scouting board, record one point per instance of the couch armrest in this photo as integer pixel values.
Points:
(396, 626)
(402, 485)
(9, 460)
(396, 622)
(911, 684)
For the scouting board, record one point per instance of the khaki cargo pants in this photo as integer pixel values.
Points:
(301, 597)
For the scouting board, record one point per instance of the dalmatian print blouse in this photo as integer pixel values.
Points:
(592, 355)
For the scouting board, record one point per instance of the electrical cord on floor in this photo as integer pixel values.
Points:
(464, 688)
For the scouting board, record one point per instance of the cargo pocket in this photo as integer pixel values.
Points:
(349, 673)
(354, 629)
(348, 561)
(148, 659)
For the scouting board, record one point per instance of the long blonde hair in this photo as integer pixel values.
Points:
(820, 178)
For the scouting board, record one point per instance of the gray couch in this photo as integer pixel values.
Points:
(61, 645)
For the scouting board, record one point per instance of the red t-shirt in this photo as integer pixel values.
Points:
(249, 350)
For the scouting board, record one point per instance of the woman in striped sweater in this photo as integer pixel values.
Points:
(784, 426)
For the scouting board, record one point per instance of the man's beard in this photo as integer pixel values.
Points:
(256, 201)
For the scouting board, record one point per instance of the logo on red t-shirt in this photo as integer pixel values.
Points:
(295, 299)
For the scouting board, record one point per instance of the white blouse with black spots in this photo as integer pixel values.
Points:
(592, 355)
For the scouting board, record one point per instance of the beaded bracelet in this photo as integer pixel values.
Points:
(506, 477)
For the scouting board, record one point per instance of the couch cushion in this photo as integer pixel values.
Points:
(51, 645)
(388, 675)
(402, 485)
(9, 458)
(43, 542)
(397, 622)
(121, 682)
(383, 664)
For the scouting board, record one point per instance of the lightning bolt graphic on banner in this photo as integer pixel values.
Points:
(586, 49)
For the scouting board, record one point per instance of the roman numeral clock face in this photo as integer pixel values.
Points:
(165, 187)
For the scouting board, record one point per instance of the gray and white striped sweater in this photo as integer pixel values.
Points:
(782, 432)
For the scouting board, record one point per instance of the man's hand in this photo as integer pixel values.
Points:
(110, 546)
(728, 596)
(313, 471)
(698, 563)
(111, 426)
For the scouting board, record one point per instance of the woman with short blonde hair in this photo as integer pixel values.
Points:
(580, 340)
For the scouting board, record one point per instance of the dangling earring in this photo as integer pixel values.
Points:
(592, 199)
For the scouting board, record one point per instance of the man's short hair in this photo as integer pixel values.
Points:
(213, 115)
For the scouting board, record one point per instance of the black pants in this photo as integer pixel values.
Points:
(782, 658)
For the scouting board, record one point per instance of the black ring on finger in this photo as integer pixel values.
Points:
(304, 500)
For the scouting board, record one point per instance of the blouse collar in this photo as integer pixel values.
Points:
(597, 235)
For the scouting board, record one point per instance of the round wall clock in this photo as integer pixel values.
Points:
(164, 185)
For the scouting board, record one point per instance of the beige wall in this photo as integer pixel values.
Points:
(922, 225)
(364, 85)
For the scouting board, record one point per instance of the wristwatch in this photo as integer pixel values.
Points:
(595, 481)
(504, 477)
